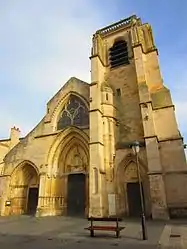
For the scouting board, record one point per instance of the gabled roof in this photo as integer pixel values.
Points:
(71, 81)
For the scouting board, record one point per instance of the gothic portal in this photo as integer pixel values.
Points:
(24, 187)
(78, 160)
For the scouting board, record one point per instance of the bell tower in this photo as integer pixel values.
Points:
(128, 102)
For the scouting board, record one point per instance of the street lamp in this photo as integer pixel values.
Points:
(136, 149)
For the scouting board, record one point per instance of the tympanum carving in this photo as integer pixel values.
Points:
(77, 160)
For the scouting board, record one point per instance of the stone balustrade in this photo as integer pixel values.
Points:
(57, 201)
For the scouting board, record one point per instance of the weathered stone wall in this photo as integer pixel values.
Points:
(36, 147)
(172, 156)
(130, 126)
(176, 189)
(4, 148)
(126, 171)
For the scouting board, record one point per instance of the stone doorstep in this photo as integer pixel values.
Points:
(184, 237)
(165, 236)
(173, 237)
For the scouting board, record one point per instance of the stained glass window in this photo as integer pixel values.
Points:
(74, 113)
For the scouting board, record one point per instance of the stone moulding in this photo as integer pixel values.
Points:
(128, 145)
(122, 23)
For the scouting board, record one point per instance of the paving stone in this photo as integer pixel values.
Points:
(64, 232)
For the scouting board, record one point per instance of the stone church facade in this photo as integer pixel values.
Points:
(78, 160)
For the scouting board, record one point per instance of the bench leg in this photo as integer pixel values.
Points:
(117, 234)
(92, 233)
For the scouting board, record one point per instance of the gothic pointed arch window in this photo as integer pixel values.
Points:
(118, 53)
(74, 113)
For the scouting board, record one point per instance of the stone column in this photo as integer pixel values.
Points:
(97, 201)
(46, 201)
(157, 185)
(41, 195)
(110, 148)
(155, 171)
(56, 201)
(158, 197)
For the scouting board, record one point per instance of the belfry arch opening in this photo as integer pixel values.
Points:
(118, 54)
(24, 190)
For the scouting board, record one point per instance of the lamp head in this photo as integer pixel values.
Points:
(136, 147)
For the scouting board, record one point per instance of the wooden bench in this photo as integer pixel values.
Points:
(115, 228)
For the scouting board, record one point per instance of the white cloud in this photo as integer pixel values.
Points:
(181, 114)
(44, 43)
(48, 49)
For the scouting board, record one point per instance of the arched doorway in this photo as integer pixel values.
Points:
(134, 199)
(74, 165)
(132, 188)
(76, 195)
(24, 189)
(128, 188)
(69, 155)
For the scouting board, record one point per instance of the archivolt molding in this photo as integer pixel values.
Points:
(122, 175)
(22, 164)
(57, 110)
(129, 159)
(74, 157)
(25, 173)
(4, 145)
(63, 143)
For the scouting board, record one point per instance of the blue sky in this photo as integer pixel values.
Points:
(45, 42)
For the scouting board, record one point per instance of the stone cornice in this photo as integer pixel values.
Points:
(96, 110)
(48, 134)
(156, 108)
(162, 107)
(164, 139)
(154, 172)
(149, 137)
(167, 172)
(170, 139)
(108, 116)
(57, 132)
(154, 49)
(5, 175)
(91, 143)
(97, 55)
(127, 145)
(175, 172)
(125, 23)
(93, 83)
(103, 103)
(145, 102)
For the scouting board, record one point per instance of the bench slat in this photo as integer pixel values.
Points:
(104, 219)
(105, 228)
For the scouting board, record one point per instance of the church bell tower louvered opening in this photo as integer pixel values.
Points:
(118, 54)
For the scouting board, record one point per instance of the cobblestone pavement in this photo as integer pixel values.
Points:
(64, 232)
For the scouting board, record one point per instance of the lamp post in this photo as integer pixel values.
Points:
(136, 149)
